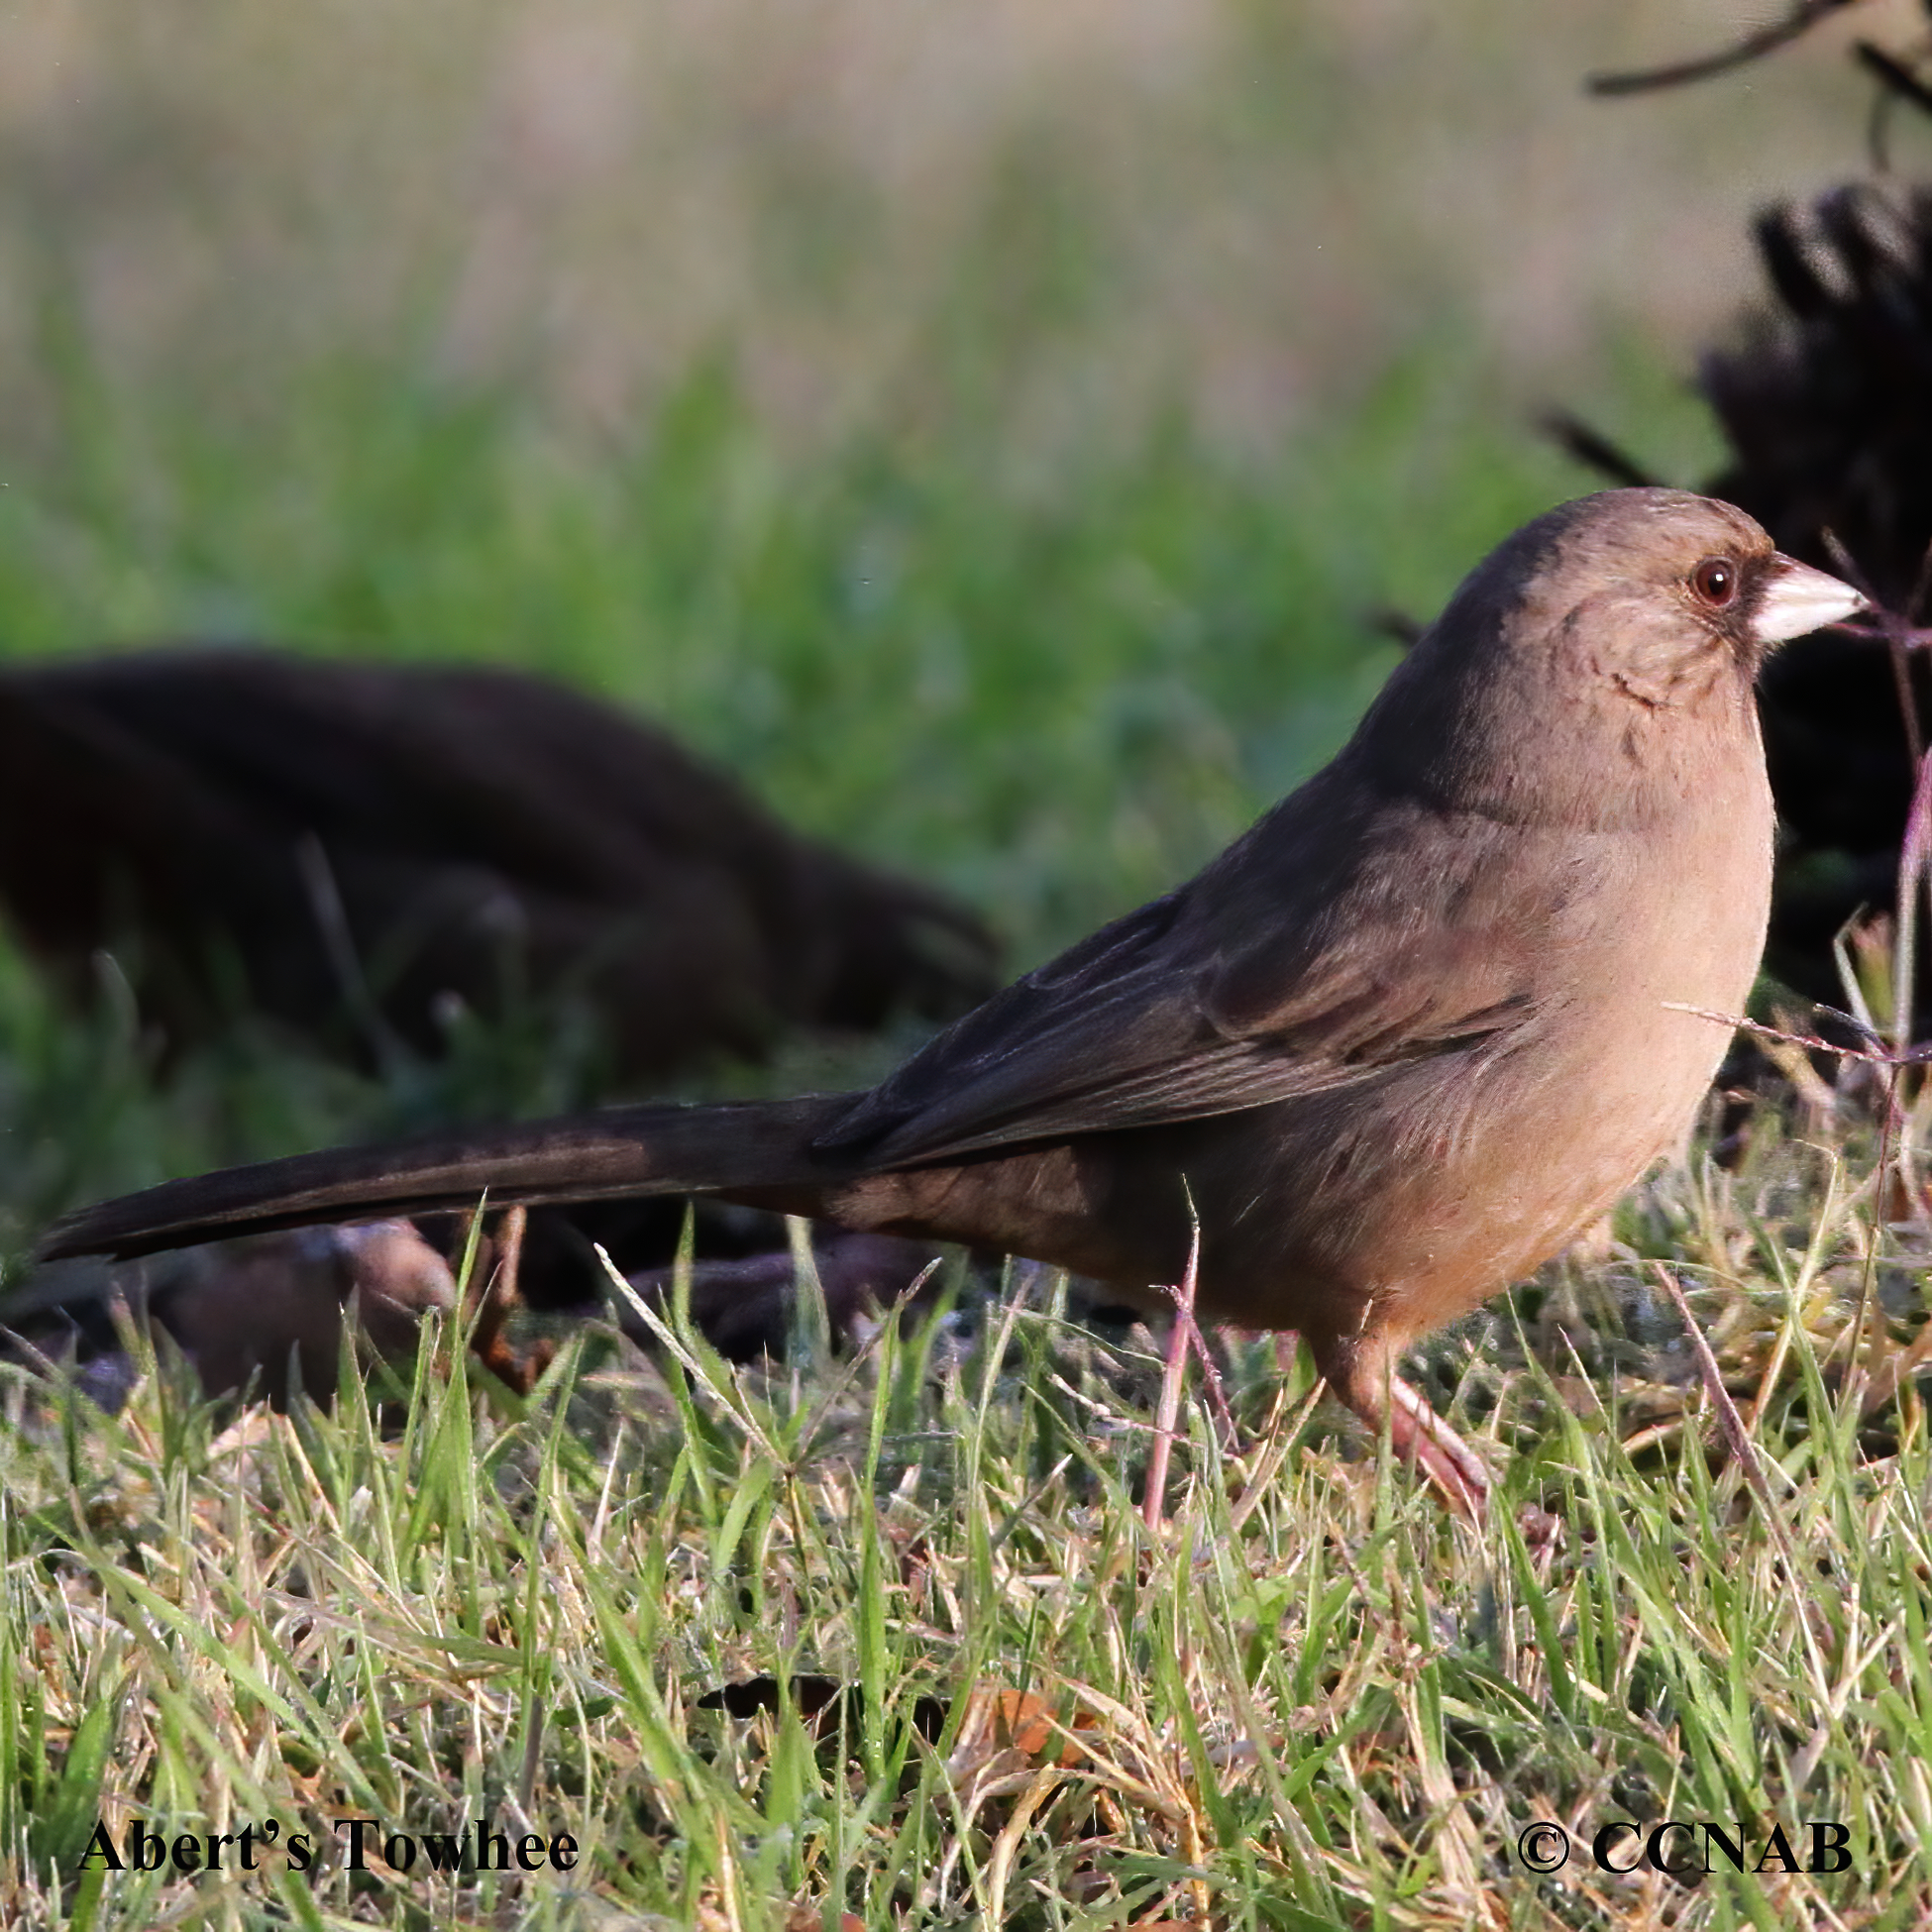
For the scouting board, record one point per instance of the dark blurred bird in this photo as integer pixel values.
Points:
(1396, 1046)
(347, 848)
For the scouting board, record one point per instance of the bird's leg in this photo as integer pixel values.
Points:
(491, 1308)
(1362, 1374)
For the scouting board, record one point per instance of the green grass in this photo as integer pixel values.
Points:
(1308, 1700)
(1053, 683)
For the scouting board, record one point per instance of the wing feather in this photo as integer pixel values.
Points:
(1209, 1001)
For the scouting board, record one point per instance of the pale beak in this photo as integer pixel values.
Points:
(1796, 599)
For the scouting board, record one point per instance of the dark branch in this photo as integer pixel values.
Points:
(1593, 450)
(1754, 47)
(1898, 79)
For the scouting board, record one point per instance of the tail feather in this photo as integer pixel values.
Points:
(630, 1151)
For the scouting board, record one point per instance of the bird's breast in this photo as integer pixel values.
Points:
(1415, 1196)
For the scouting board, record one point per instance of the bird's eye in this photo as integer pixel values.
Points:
(1715, 582)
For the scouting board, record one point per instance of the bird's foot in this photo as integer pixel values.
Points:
(1422, 1438)
(1419, 1436)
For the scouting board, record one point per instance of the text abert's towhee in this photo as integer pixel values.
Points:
(1393, 1049)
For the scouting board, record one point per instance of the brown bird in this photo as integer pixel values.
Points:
(1396, 1046)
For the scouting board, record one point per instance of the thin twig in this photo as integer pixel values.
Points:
(1219, 1412)
(1736, 1437)
(1866, 1056)
(1180, 1338)
(1914, 859)
(1754, 47)
(1893, 76)
(343, 960)
(1894, 626)
(1921, 588)
(1583, 444)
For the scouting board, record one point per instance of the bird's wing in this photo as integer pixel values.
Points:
(1168, 1015)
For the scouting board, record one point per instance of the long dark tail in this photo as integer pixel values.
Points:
(628, 1150)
